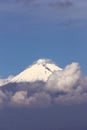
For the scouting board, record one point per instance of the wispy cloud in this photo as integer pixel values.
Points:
(60, 4)
(26, 1)
(62, 12)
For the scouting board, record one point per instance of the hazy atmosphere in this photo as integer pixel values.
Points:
(43, 70)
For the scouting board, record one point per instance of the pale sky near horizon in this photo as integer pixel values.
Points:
(30, 30)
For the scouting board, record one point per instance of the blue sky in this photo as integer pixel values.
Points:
(53, 29)
(30, 30)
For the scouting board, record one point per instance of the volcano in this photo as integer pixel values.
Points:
(38, 71)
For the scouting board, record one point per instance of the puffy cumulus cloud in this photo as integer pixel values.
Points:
(65, 79)
(5, 97)
(22, 98)
(76, 96)
(19, 97)
(40, 99)
(66, 86)
(2, 97)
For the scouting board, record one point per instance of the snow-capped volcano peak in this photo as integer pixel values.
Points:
(43, 61)
(38, 71)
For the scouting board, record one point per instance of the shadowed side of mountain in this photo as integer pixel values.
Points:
(23, 86)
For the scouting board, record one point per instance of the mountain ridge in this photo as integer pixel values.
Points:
(38, 71)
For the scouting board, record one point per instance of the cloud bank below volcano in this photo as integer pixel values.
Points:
(63, 87)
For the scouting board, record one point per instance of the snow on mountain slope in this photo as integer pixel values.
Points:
(38, 71)
(5, 81)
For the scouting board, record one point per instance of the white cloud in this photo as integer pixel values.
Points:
(74, 97)
(2, 97)
(65, 79)
(65, 86)
(37, 99)
(40, 99)
(19, 97)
